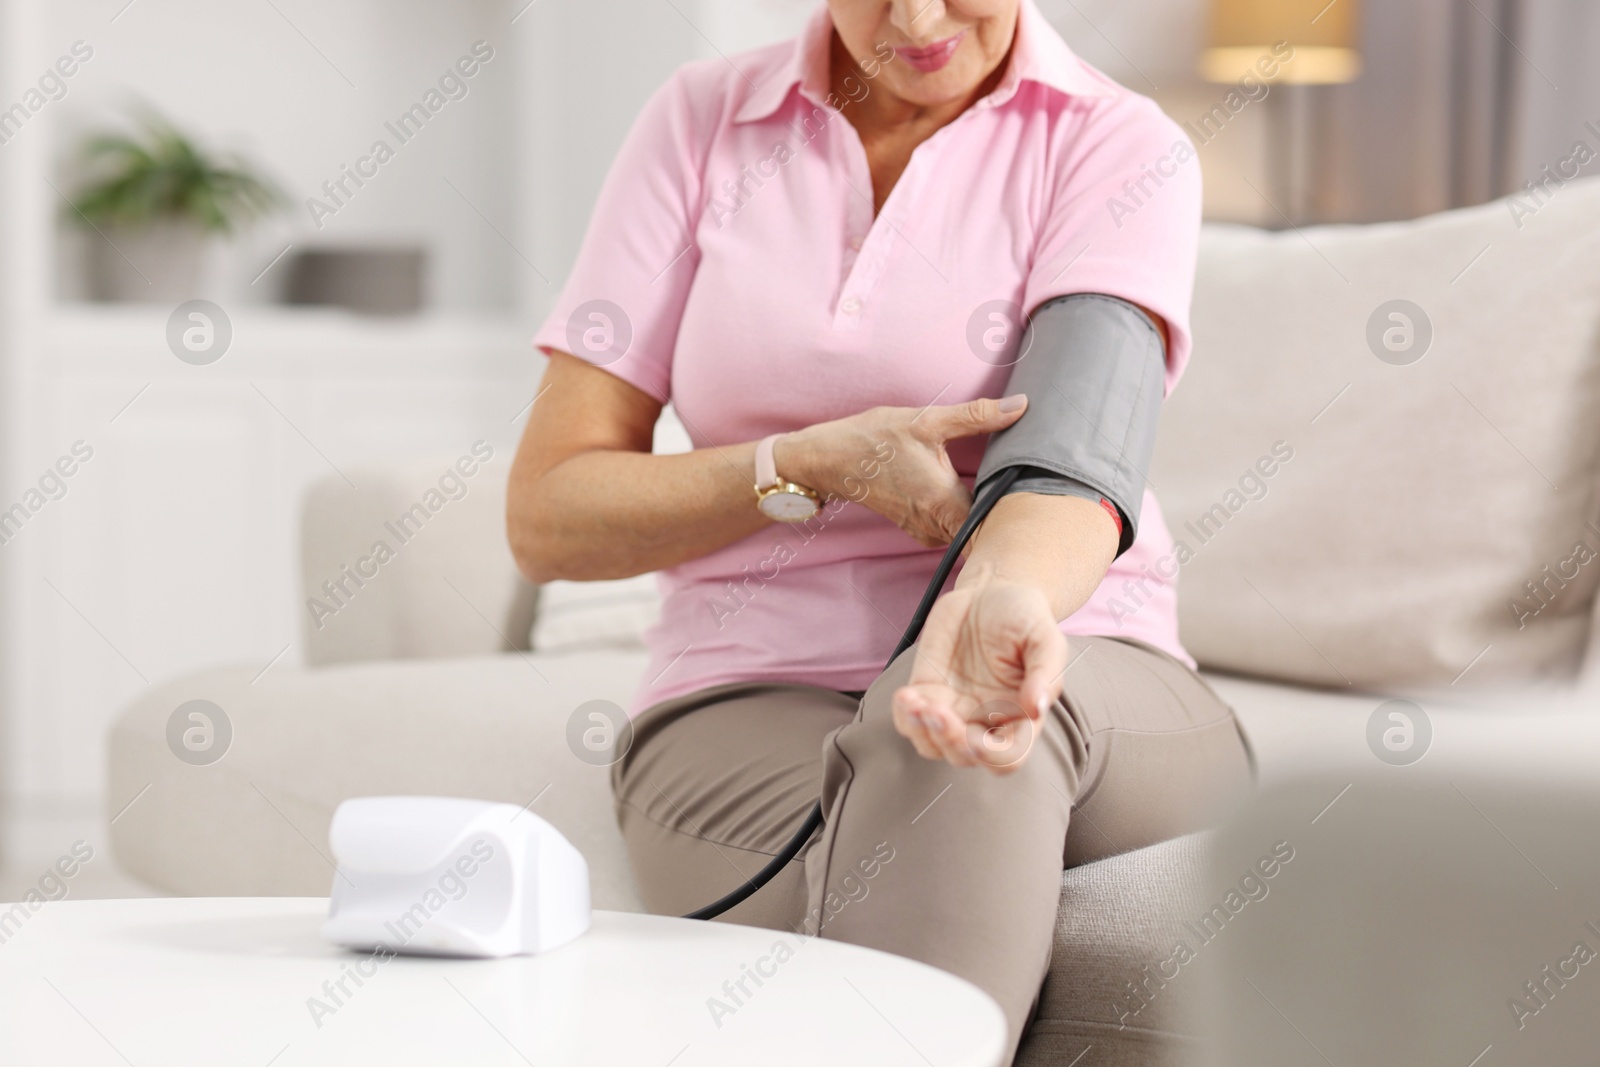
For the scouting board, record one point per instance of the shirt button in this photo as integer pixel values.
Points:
(855, 244)
(851, 305)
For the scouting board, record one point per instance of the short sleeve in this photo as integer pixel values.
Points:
(1124, 218)
(622, 303)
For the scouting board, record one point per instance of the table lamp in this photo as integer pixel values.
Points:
(1325, 37)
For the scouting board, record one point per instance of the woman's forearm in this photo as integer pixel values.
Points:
(1062, 545)
(613, 514)
(588, 500)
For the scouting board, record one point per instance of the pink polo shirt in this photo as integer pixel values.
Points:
(734, 267)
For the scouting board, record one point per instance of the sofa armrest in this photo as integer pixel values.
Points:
(411, 563)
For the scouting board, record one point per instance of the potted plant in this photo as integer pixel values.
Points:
(157, 199)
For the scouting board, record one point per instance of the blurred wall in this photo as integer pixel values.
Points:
(591, 66)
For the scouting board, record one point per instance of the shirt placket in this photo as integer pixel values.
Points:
(870, 241)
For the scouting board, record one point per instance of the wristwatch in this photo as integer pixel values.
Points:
(778, 499)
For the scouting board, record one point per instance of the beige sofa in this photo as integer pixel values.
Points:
(1423, 499)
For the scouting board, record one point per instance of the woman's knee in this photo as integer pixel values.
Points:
(872, 745)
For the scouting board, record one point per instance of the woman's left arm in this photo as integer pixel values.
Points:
(1060, 545)
(991, 656)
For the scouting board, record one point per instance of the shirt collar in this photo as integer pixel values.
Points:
(1038, 54)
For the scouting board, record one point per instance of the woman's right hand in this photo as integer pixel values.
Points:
(893, 460)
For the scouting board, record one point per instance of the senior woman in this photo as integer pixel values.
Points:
(808, 250)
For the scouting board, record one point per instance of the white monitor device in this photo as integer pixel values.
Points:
(438, 876)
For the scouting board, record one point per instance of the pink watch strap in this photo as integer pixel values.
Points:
(766, 467)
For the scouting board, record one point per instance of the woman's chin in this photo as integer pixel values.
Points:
(939, 88)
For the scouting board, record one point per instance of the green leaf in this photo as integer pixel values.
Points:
(162, 175)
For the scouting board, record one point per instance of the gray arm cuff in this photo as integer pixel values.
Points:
(1047, 483)
(1093, 371)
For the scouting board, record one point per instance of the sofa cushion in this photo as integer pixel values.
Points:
(584, 616)
(1353, 511)
(1119, 921)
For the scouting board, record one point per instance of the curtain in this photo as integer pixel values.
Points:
(1462, 101)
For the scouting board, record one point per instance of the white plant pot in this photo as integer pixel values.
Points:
(159, 263)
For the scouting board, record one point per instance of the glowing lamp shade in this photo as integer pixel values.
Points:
(1325, 38)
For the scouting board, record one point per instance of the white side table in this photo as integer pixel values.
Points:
(247, 981)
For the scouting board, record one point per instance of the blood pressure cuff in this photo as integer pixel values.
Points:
(1093, 369)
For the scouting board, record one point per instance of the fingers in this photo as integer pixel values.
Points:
(1004, 737)
(1001, 747)
(908, 721)
(948, 733)
(976, 416)
(926, 716)
(963, 709)
(925, 497)
(935, 650)
(1045, 656)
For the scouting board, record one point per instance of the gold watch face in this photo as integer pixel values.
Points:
(785, 506)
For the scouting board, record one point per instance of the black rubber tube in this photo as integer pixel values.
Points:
(980, 511)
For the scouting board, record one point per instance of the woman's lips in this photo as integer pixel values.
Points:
(930, 58)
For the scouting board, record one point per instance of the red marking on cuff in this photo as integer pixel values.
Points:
(1111, 509)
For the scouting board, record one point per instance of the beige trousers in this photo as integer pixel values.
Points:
(958, 868)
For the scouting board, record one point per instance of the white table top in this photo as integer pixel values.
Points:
(230, 981)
